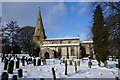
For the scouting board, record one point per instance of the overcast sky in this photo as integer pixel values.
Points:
(60, 19)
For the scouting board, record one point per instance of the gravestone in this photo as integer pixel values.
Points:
(14, 77)
(4, 76)
(2, 59)
(106, 64)
(17, 64)
(66, 67)
(42, 79)
(11, 67)
(39, 62)
(89, 64)
(75, 66)
(27, 60)
(20, 73)
(5, 64)
(34, 62)
(23, 61)
(99, 64)
(53, 73)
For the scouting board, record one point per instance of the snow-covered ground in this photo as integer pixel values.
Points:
(45, 71)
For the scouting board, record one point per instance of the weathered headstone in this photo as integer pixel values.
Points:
(89, 64)
(34, 62)
(17, 64)
(5, 64)
(39, 62)
(4, 76)
(75, 66)
(20, 73)
(23, 61)
(106, 64)
(14, 77)
(29, 60)
(11, 67)
(53, 73)
(66, 67)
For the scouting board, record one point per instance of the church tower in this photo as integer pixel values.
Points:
(39, 33)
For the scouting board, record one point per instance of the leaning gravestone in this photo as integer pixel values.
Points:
(17, 64)
(4, 76)
(11, 67)
(34, 62)
(5, 64)
(20, 73)
(39, 62)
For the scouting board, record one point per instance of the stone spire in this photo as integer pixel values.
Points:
(39, 34)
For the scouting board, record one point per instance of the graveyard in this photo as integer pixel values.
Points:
(24, 66)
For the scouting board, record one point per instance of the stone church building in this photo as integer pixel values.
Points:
(59, 47)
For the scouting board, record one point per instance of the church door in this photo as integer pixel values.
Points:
(47, 55)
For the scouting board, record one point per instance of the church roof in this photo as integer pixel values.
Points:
(62, 38)
(86, 42)
(52, 45)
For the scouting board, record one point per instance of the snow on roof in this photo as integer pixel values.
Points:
(75, 44)
(62, 38)
(87, 42)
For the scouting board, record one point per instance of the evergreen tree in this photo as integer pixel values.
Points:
(25, 38)
(9, 33)
(100, 35)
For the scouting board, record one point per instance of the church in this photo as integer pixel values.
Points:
(59, 47)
